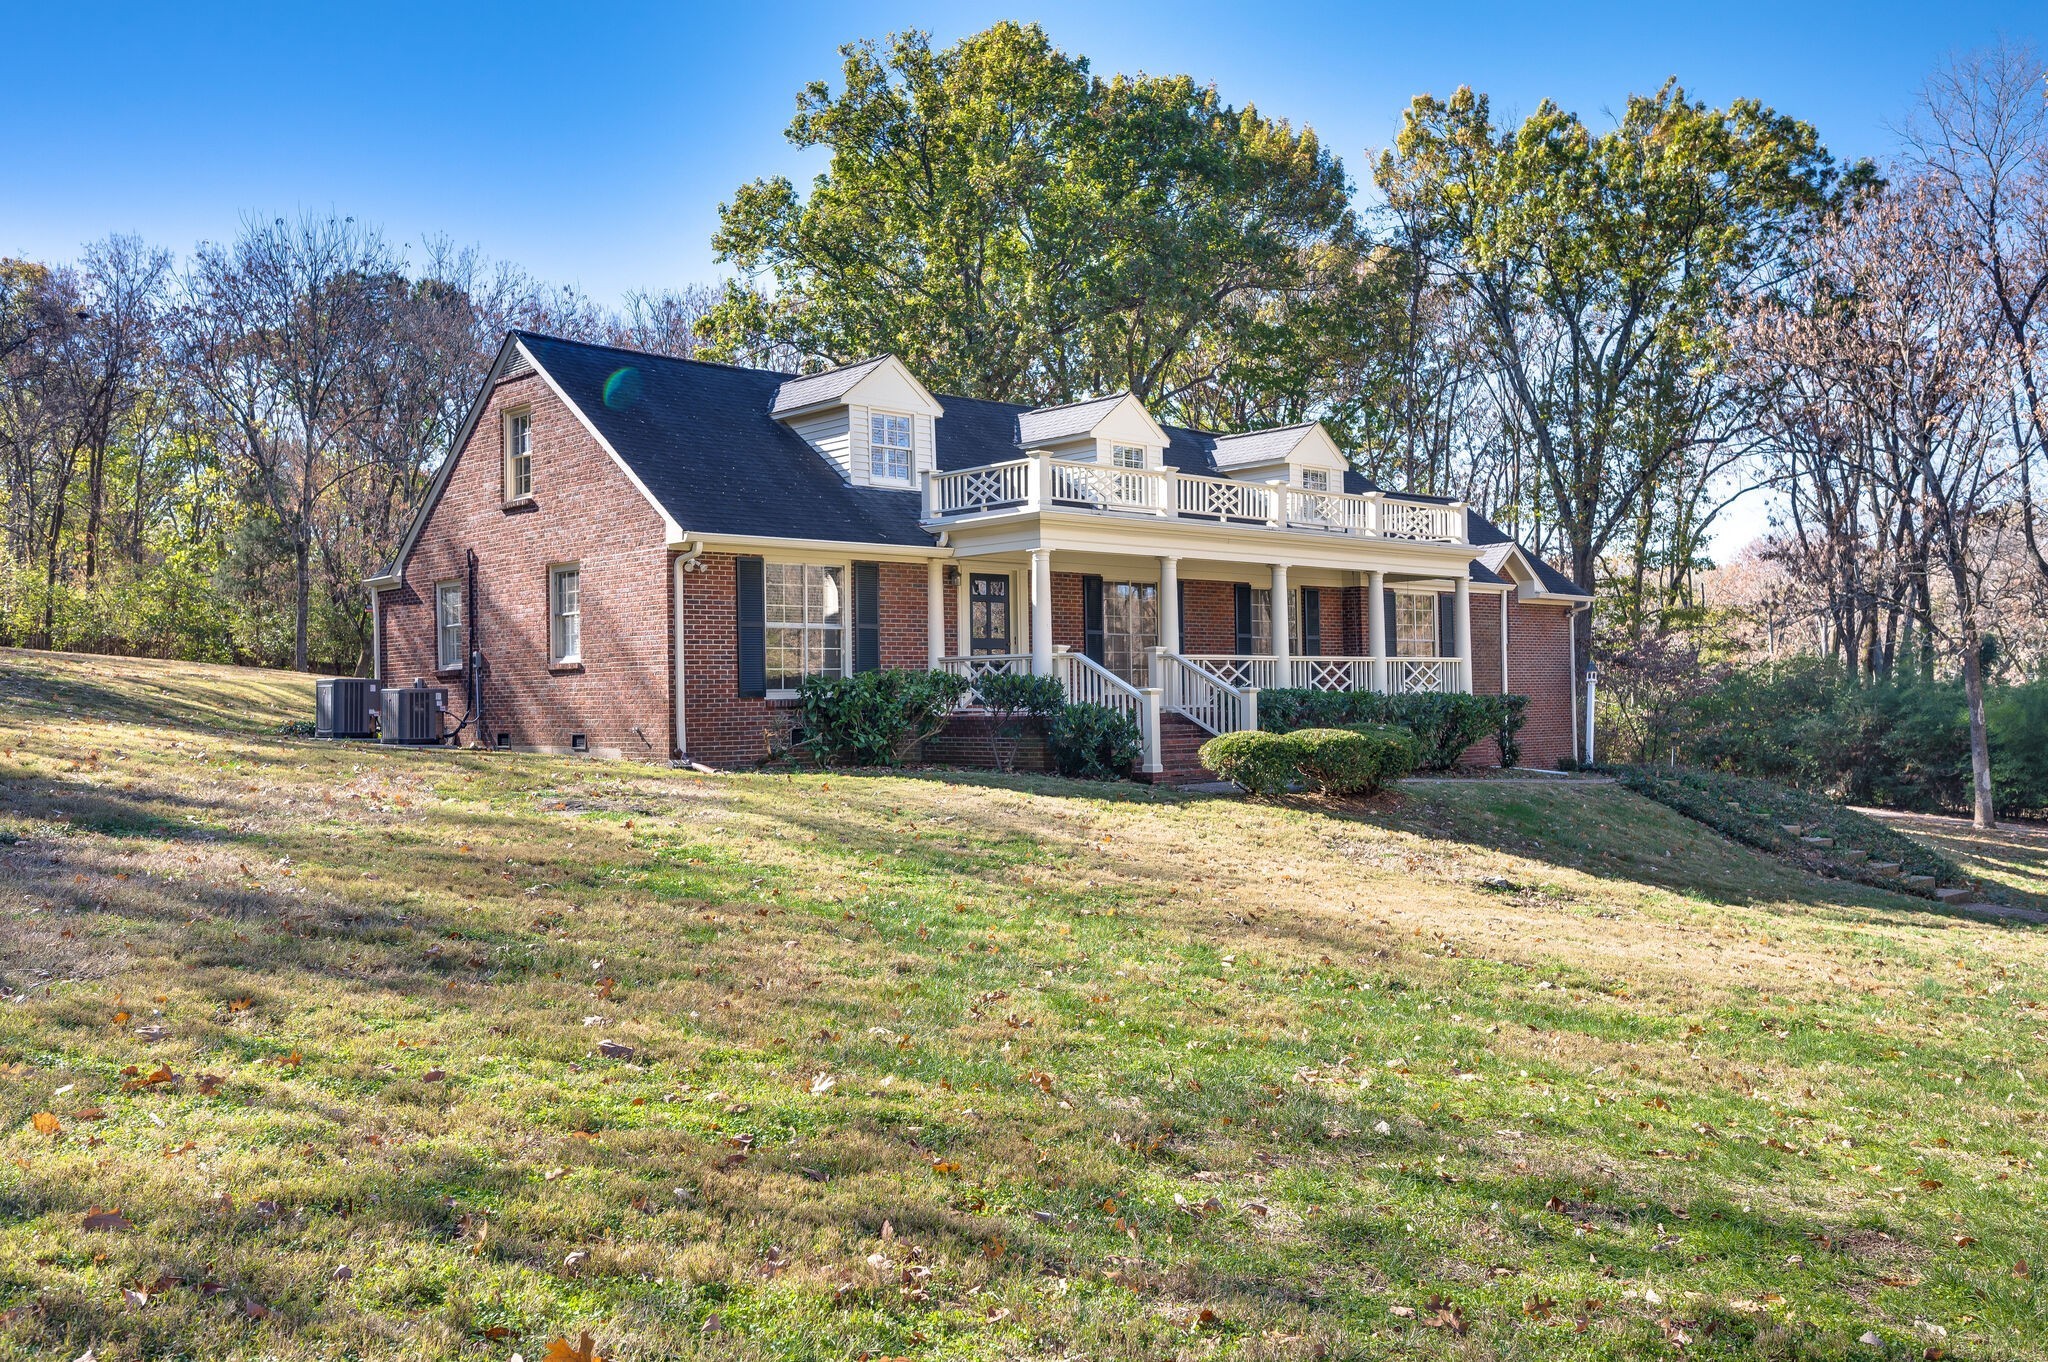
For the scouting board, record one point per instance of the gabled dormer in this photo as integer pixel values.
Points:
(872, 421)
(1301, 456)
(1115, 431)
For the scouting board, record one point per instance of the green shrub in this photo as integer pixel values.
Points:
(1510, 713)
(1348, 761)
(1011, 697)
(870, 718)
(1093, 742)
(1263, 764)
(1444, 725)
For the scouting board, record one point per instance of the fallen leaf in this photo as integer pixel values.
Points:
(433, 1076)
(105, 1219)
(562, 1351)
(612, 1049)
(46, 1123)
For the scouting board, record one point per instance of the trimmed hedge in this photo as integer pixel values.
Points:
(1332, 761)
(1444, 725)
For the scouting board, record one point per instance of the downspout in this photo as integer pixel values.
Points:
(682, 563)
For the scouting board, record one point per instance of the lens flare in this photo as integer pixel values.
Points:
(622, 389)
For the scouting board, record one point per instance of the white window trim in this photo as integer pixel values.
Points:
(845, 566)
(1322, 473)
(1144, 456)
(909, 421)
(442, 661)
(556, 656)
(514, 497)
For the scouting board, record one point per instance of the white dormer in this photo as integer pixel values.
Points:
(1115, 430)
(873, 421)
(1301, 456)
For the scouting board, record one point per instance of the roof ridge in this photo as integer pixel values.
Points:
(1082, 401)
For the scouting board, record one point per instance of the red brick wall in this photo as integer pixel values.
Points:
(1209, 616)
(1539, 666)
(585, 511)
(721, 727)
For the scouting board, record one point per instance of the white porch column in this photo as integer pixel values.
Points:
(1281, 622)
(1041, 612)
(1461, 628)
(963, 633)
(1376, 627)
(1169, 604)
(935, 611)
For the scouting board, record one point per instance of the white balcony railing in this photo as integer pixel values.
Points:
(1041, 483)
(1402, 674)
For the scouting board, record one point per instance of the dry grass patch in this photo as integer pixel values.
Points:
(824, 1065)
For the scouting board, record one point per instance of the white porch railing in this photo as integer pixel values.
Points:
(1040, 483)
(1190, 689)
(1403, 674)
(986, 664)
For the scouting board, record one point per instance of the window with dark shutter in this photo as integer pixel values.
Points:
(1311, 621)
(867, 617)
(1392, 626)
(1091, 618)
(1247, 639)
(1446, 628)
(753, 649)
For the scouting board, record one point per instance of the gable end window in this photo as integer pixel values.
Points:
(889, 447)
(1315, 479)
(1127, 456)
(447, 625)
(803, 617)
(565, 614)
(518, 455)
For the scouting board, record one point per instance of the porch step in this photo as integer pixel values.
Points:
(1180, 746)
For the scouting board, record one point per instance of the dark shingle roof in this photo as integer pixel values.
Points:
(1043, 425)
(1255, 447)
(704, 441)
(809, 390)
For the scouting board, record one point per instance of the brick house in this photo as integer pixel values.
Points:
(640, 556)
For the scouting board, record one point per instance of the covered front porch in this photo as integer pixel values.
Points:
(1198, 637)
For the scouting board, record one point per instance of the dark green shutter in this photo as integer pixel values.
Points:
(1091, 617)
(1393, 639)
(1444, 631)
(1246, 639)
(1180, 612)
(1311, 621)
(867, 617)
(753, 636)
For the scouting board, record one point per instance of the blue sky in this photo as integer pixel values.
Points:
(593, 144)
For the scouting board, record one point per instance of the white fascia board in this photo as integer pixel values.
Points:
(1083, 531)
(844, 548)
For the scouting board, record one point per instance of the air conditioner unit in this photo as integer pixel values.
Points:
(342, 706)
(413, 714)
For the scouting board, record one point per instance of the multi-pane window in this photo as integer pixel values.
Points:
(1127, 456)
(1315, 479)
(1130, 629)
(565, 614)
(889, 447)
(1262, 621)
(518, 455)
(804, 611)
(448, 625)
(1415, 624)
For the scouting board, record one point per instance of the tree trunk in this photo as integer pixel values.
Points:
(1982, 813)
(302, 555)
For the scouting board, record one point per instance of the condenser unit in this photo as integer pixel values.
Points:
(413, 714)
(342, 707)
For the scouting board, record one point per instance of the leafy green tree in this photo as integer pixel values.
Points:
(1602, 267)
(1015, 227)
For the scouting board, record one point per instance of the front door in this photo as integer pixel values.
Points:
(988, 613)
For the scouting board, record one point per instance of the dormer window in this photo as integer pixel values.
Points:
(889, 447)
(1127, 456)
(1315, 479)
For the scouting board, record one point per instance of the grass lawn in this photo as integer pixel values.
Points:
(383, 1054)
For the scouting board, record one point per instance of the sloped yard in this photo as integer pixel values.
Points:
(317, 1050)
